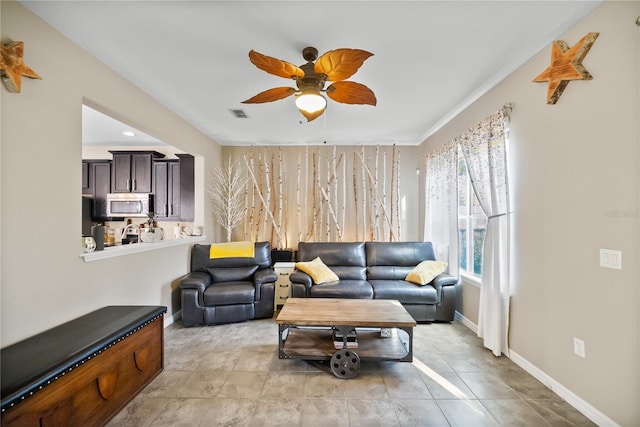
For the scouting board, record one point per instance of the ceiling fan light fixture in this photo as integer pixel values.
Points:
(334, 66)
(311, 101)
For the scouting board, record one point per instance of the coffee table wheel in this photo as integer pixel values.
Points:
(345, 363)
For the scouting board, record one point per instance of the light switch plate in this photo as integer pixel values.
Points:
(610, 258)
(578, 347)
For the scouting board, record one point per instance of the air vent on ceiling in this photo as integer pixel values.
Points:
(240, 114)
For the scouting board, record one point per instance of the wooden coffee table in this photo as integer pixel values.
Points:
(306, 329)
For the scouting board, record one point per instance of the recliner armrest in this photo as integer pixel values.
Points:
(300, 284)
(443, 280)
(198, 280)
(300, 277)
(265, 275)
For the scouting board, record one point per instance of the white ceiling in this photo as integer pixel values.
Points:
(100, 130)
(431, 58)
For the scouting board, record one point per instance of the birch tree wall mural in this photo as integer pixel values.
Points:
(335, 193)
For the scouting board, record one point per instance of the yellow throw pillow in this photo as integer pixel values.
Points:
(318, 271)
(426, 271)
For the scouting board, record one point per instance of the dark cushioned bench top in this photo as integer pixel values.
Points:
(35, 362)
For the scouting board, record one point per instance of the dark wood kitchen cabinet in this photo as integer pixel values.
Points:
(96, 182)
(86, 184)
(166, 189)
(173, 184)
(101, 187)
(132, 171)
(187, 187)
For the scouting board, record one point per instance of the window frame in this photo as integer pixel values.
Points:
(468, 217)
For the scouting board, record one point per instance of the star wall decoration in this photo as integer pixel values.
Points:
(12, 67)
(566, 65)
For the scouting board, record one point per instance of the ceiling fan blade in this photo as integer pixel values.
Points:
(312, 116)
(351, 93)
(275, 66)
(271, 95)
(340, 64)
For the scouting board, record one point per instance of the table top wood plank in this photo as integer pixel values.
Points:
(345, 312)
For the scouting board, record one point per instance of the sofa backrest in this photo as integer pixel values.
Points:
(346, 259)
(200, 260)
(394, 260)
(407, 254)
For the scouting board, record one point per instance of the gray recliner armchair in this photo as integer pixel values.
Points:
(228, 290)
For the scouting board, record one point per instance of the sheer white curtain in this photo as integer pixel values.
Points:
(441, 204)
(484, 150)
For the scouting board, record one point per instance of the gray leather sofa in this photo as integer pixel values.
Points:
(227, 290)
(377, 270)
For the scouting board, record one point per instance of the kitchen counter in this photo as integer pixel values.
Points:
(120, 250)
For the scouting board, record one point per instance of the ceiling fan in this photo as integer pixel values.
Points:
(334, 66)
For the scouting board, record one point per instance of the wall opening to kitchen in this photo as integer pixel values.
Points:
(164, 172)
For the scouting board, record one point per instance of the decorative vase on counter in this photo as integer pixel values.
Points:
(152, 236)
(98, 235)
(88, 244)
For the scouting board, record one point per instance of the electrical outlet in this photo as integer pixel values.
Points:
(578, 347)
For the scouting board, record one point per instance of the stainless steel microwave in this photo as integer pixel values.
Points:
(133, 205)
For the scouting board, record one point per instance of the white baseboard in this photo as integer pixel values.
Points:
(173, 318)
(574, 400)
(466, 322)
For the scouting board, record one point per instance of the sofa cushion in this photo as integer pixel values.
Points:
(349, 272)
(426, 271)
(333, 254)
(388, 272)
(343, 289)
(403, 291)
(233, 274)
(318, 271)
(225, 293)
(407, 254)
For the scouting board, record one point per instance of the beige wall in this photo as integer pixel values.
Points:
(44, 281)
(575, 189)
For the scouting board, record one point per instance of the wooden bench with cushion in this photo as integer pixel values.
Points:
(81, 373)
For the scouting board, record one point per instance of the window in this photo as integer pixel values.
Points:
(472, 223)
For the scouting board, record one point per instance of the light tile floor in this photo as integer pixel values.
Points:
(230, 375)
